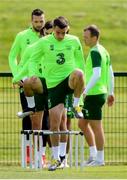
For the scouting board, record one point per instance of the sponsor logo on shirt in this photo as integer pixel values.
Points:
(61, 59)
(68, 47)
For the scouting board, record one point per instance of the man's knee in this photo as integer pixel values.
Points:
(35, 83)
(78, 73)
(83, 124)
(76, 77)
(27, 82)
(63, 126)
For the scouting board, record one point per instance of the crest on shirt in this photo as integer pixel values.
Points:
(51, 47)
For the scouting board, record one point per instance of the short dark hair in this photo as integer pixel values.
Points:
(48, 25)
(93, 30)
(61, 22)
(37, 12)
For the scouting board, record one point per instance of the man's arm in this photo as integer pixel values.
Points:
(21, 74)
(94, 78)
(29, 62)
(23, 65)
(111, 81)
(14, 52)
(96, 65)
(36, 57)
(110, 98)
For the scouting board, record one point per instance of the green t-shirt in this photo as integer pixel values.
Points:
(98, 57)
(60, 58)
(22, 40)
(24, 65)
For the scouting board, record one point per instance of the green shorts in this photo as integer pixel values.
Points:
(92, 109)
(58, 94)
(41, 100)
(69, 105)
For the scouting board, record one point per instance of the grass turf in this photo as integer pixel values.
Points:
(106, 172)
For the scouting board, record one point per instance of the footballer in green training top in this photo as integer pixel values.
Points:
(61, 57)
(63, 64)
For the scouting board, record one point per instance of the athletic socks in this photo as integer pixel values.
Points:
(30, 101)
(55, 152)
(76, 102)
(100, 156)
(93, 151)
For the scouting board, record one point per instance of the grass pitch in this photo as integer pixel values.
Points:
(109, 16)
(106, 172)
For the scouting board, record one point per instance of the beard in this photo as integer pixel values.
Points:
(37, 29)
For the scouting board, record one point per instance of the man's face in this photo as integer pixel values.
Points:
(87, 38)
(48, 31)
(38, 22)
(60, 33)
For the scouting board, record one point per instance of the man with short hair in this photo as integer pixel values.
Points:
(63, 63)
(22, 41)
(99, 87)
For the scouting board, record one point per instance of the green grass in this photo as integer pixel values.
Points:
(109, 15)
(107, 172)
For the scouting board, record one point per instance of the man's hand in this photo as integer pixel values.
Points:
(19, 83)
(110, 100)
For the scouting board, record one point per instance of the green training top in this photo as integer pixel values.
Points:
(24, 63)
(60, 58)
(98, 57)
(22, 40)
